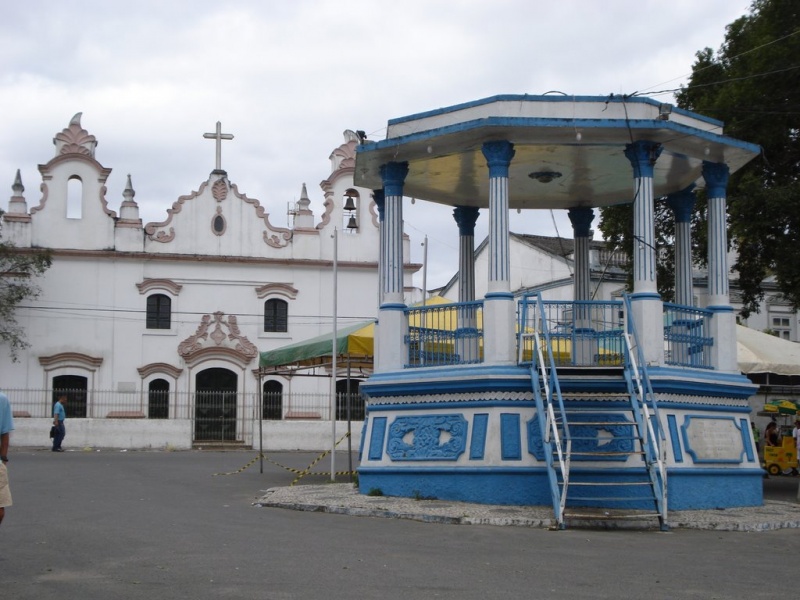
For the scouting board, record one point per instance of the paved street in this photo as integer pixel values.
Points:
(158, 525)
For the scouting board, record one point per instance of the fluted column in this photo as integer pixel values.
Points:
(498, 157)
(716, 177)
(643, 156)
(465, 217)
(723, 322)
(378, 197)
(467, 345)
(499, 314)
(584, 340)
(581, 219)
(682, 205)
(391, 352)
(647, 308)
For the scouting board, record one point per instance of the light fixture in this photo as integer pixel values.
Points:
(664, 111)
(544, 176)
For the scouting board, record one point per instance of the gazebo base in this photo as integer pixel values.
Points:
(472, 434)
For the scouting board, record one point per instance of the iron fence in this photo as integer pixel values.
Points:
(582, 333)
(204, 407)
(687, 337)
(445, 335)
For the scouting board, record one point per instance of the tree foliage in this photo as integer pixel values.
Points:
(752, 85)
(18, 269)
(616, 223)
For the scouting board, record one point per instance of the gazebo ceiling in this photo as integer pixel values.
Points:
(568, 151)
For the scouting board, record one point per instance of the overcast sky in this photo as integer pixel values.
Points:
(286, 78)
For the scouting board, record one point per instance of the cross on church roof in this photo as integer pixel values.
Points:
(219, 136)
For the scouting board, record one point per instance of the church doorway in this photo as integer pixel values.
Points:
(215, 405)
(74, 387)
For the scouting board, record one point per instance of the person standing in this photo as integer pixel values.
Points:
(6, 426)
(59, 416)
(772, 435)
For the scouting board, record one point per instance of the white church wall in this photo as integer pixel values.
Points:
(90, 319)
(83, 434)
(176, 434)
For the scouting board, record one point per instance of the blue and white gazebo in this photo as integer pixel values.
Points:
(633, 406)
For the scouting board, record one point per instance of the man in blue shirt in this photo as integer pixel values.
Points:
(59, 415)
(6, 425)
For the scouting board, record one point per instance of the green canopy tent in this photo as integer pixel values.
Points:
(354, 349)
(354, 344)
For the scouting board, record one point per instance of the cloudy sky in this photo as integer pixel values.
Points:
(288, 77)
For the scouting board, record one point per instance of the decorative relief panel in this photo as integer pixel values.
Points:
(588, 438)
(217, 336)
(434, 437)
(713, 439)
(219, 190)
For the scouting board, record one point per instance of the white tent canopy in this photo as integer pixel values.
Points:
(759, 352)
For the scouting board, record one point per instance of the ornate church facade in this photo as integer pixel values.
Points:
(164, 321)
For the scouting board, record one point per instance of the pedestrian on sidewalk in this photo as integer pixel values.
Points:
(59, 416)
(6, 426)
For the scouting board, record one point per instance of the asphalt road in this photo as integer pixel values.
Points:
(158, 525)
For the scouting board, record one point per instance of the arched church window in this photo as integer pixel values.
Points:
(273, 400)
(74, 198)
(218, 225)
(276, 315)
(159, 311)
(158, 399)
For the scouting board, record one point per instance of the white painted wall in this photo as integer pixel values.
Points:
(176, 434)
(91, 314)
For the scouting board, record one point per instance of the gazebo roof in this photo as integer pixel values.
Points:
(579, 141)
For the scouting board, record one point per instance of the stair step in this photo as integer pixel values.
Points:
(615, 438)
(598, 453)
(607, 483)
(610, 515)
(600, 423)
(584, 499)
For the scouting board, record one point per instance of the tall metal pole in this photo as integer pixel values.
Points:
(349, 423)
(424, 271)
(334, 350)
(260, 413)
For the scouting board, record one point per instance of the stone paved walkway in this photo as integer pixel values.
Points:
(342, 498)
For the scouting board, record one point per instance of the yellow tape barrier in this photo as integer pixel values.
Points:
(300, 473)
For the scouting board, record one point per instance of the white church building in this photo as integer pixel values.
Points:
(153, 330)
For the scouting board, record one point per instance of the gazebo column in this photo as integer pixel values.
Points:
(390, 348)
(581, 219)
(584, 338)
(686, 325)
(467, 345)
(499, 315)
(723, 323)
(646, 305)
(682, 205)
(378, 197)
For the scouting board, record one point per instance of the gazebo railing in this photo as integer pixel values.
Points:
(687, 342)
(440, 335)
(581, 333)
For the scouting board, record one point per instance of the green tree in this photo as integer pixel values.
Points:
(18, 269)
(752, 84)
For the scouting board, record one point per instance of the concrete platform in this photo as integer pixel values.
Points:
(779, 510)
